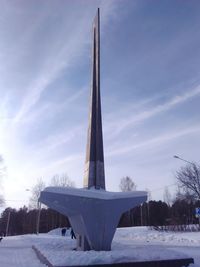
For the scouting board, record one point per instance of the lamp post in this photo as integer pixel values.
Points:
(38, 217)
(177, 157)
(8, 223)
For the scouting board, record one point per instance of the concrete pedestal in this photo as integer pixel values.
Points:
(93, 214)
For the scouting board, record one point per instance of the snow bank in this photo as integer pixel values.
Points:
(144, 234)
(129, 244)
(57, 231)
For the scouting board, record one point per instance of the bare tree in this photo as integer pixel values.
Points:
(188, 178)
(61, 180)
(36, 190)
(149, 197)
(167, 197)
(56, 180)
(2, 200)
(127, 184)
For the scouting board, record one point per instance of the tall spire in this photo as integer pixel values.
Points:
(94, 176)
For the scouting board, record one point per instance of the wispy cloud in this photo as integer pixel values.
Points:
(56, 164)
(41, 84)
(60, 57)
(55, 141)
(122, 124)
(158, 140)
(46, 108)
(45, 53)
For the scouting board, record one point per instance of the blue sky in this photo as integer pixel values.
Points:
(150, 86)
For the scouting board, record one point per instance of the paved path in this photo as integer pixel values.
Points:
(17, 252)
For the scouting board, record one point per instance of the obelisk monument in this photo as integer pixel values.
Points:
(93, 212)
(94, 176)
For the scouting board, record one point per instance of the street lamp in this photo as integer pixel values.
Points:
(8, 223)
(177, 157)
(38, 217)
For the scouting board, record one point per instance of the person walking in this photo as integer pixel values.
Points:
(72, 234)
(63, 231)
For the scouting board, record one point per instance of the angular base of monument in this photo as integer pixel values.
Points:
(93, 214)
(82, 243)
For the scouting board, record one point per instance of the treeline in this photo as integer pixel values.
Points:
(158, 213)
(24, 221)
(152, 213)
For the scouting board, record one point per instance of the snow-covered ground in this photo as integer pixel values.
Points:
(17, 251)
(135, 243)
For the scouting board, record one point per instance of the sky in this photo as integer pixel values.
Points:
(150, 87)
